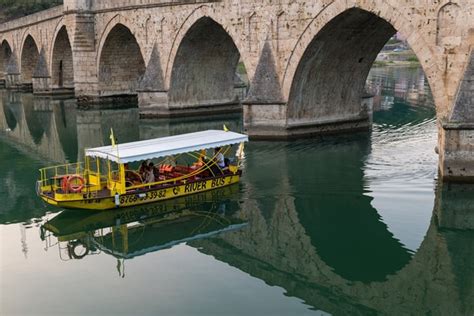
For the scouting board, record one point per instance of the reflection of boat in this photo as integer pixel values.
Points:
(106, 181)
(132, 232)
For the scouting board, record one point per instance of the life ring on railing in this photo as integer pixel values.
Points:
(72, 183)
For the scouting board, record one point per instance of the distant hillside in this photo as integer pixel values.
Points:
(12, 9)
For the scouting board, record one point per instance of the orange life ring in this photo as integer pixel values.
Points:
(69, 184)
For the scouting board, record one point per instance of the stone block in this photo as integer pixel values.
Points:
(456, 152)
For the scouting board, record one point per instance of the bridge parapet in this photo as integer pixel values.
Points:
(39, 17)
(104, 6)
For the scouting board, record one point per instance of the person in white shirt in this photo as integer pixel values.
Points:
(150, 175)
(220, 160)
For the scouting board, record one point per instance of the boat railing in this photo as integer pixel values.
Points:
(52, 177)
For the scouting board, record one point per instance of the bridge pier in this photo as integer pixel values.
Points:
(270, 121)
(12, 80)
(161, 107)
(454, 206)
(152, 103)
(456, 151)
(12, 74)
(456, 134)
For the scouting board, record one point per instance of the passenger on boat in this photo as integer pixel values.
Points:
(149, 175)
(219, 165)
(156, 171)
(220, 160)
(142, 169)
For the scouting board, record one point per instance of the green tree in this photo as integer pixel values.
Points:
(12, 9)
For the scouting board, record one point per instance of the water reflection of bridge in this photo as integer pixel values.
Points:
(333, 251)
(339, 257)
(55, 130)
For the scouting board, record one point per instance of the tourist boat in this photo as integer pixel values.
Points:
(106, 179)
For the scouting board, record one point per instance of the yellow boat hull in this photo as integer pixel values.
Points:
(83, 201)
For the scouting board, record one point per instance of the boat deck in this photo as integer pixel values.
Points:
(179, 172)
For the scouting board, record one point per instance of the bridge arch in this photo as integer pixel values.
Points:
(339, 46)
(203, 60)
(29, 58)
(120, 61)
(5, 53)
(205, 12)
(61, 59)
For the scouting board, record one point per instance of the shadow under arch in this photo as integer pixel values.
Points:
(203, 70)
(62, 66)
(5, 54)
(9, 114)
(120, 62)
(64, 113)
(13, 107)
(330, 78)
(29, 59)
(38, 122)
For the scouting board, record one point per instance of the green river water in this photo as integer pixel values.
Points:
(344, 225)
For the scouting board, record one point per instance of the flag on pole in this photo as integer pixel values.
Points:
(112, 137)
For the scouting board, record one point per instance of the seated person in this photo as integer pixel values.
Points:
(220, 163)
(142, 169)
(149, 175)
(156, 171)
(220, 160)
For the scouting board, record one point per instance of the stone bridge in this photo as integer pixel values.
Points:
(307, 61)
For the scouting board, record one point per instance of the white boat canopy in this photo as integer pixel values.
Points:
(166, 146)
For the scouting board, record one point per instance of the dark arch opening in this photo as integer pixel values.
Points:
(5, 54)
(9, 116)
(36, 121)
(206, 69)
(121, 63)
(62, 64)
(65, 117)
(29, 59)
(330, 79)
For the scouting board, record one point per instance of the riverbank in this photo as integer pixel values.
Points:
(410, 64)
(400, 58)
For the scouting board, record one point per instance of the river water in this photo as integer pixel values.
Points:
(345, 225)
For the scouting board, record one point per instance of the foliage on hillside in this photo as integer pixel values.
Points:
(12, 9)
